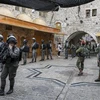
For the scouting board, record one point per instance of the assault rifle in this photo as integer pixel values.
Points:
(4, 53)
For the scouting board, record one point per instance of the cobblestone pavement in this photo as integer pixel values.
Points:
(55, 80)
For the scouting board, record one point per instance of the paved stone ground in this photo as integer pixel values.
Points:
(55, 80)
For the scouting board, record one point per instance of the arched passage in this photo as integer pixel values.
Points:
(74, 37)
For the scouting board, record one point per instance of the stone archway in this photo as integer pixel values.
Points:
(75, 36)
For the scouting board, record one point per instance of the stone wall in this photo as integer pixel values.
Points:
(72, 19)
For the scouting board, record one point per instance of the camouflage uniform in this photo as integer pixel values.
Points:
(11, 64)
(97, 50)
(66, 49)
(49, 50)
(73, 50)
(25, 50)
(88, 48)
(81, 58)
(43, 50)
(1, 47)
(10, 68)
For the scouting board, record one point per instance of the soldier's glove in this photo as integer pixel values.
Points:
(10, 46)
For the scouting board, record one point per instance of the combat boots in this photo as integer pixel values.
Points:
(81, 72)
(10, 90)
(2, 92)
(98, 79)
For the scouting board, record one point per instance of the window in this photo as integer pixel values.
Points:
(42, 14)
(8, 27)
(17, 8)
(94, 12)
(23, 10)
(88, 13)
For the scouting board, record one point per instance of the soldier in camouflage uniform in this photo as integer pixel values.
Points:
(81, 57)
(34, 50)
(73, 50)
(43, 50)
(25, 51)
(49, 49)
(1, 47)
(98, 56)
(11, 64)
(66, 47)
(88, 48)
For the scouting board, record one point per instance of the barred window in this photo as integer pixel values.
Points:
(88, 13)
(8, 27)
(94, 12)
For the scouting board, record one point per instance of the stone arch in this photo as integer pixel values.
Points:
(79, 34)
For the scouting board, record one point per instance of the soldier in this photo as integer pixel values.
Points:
(35, 46)
(81, 57)
(49, 49)
(66, 49)
(1, 47)
(78, 45)
(89, 48)
(98, 56)
(43, 48)
(11, 64)
(73, 50)
(25, 51)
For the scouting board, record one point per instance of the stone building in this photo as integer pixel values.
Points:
(24, 25)
(75, 22)
(78, 21)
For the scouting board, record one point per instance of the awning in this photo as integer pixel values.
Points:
(28, 25)
(98, 34)
(71, 3)
(45, 5)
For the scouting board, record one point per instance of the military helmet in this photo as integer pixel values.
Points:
(11, 39)
(42, 41)
(25, 41)
(33, 38)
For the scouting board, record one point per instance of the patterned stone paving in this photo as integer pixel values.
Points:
(83, 91)
(55, 80)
